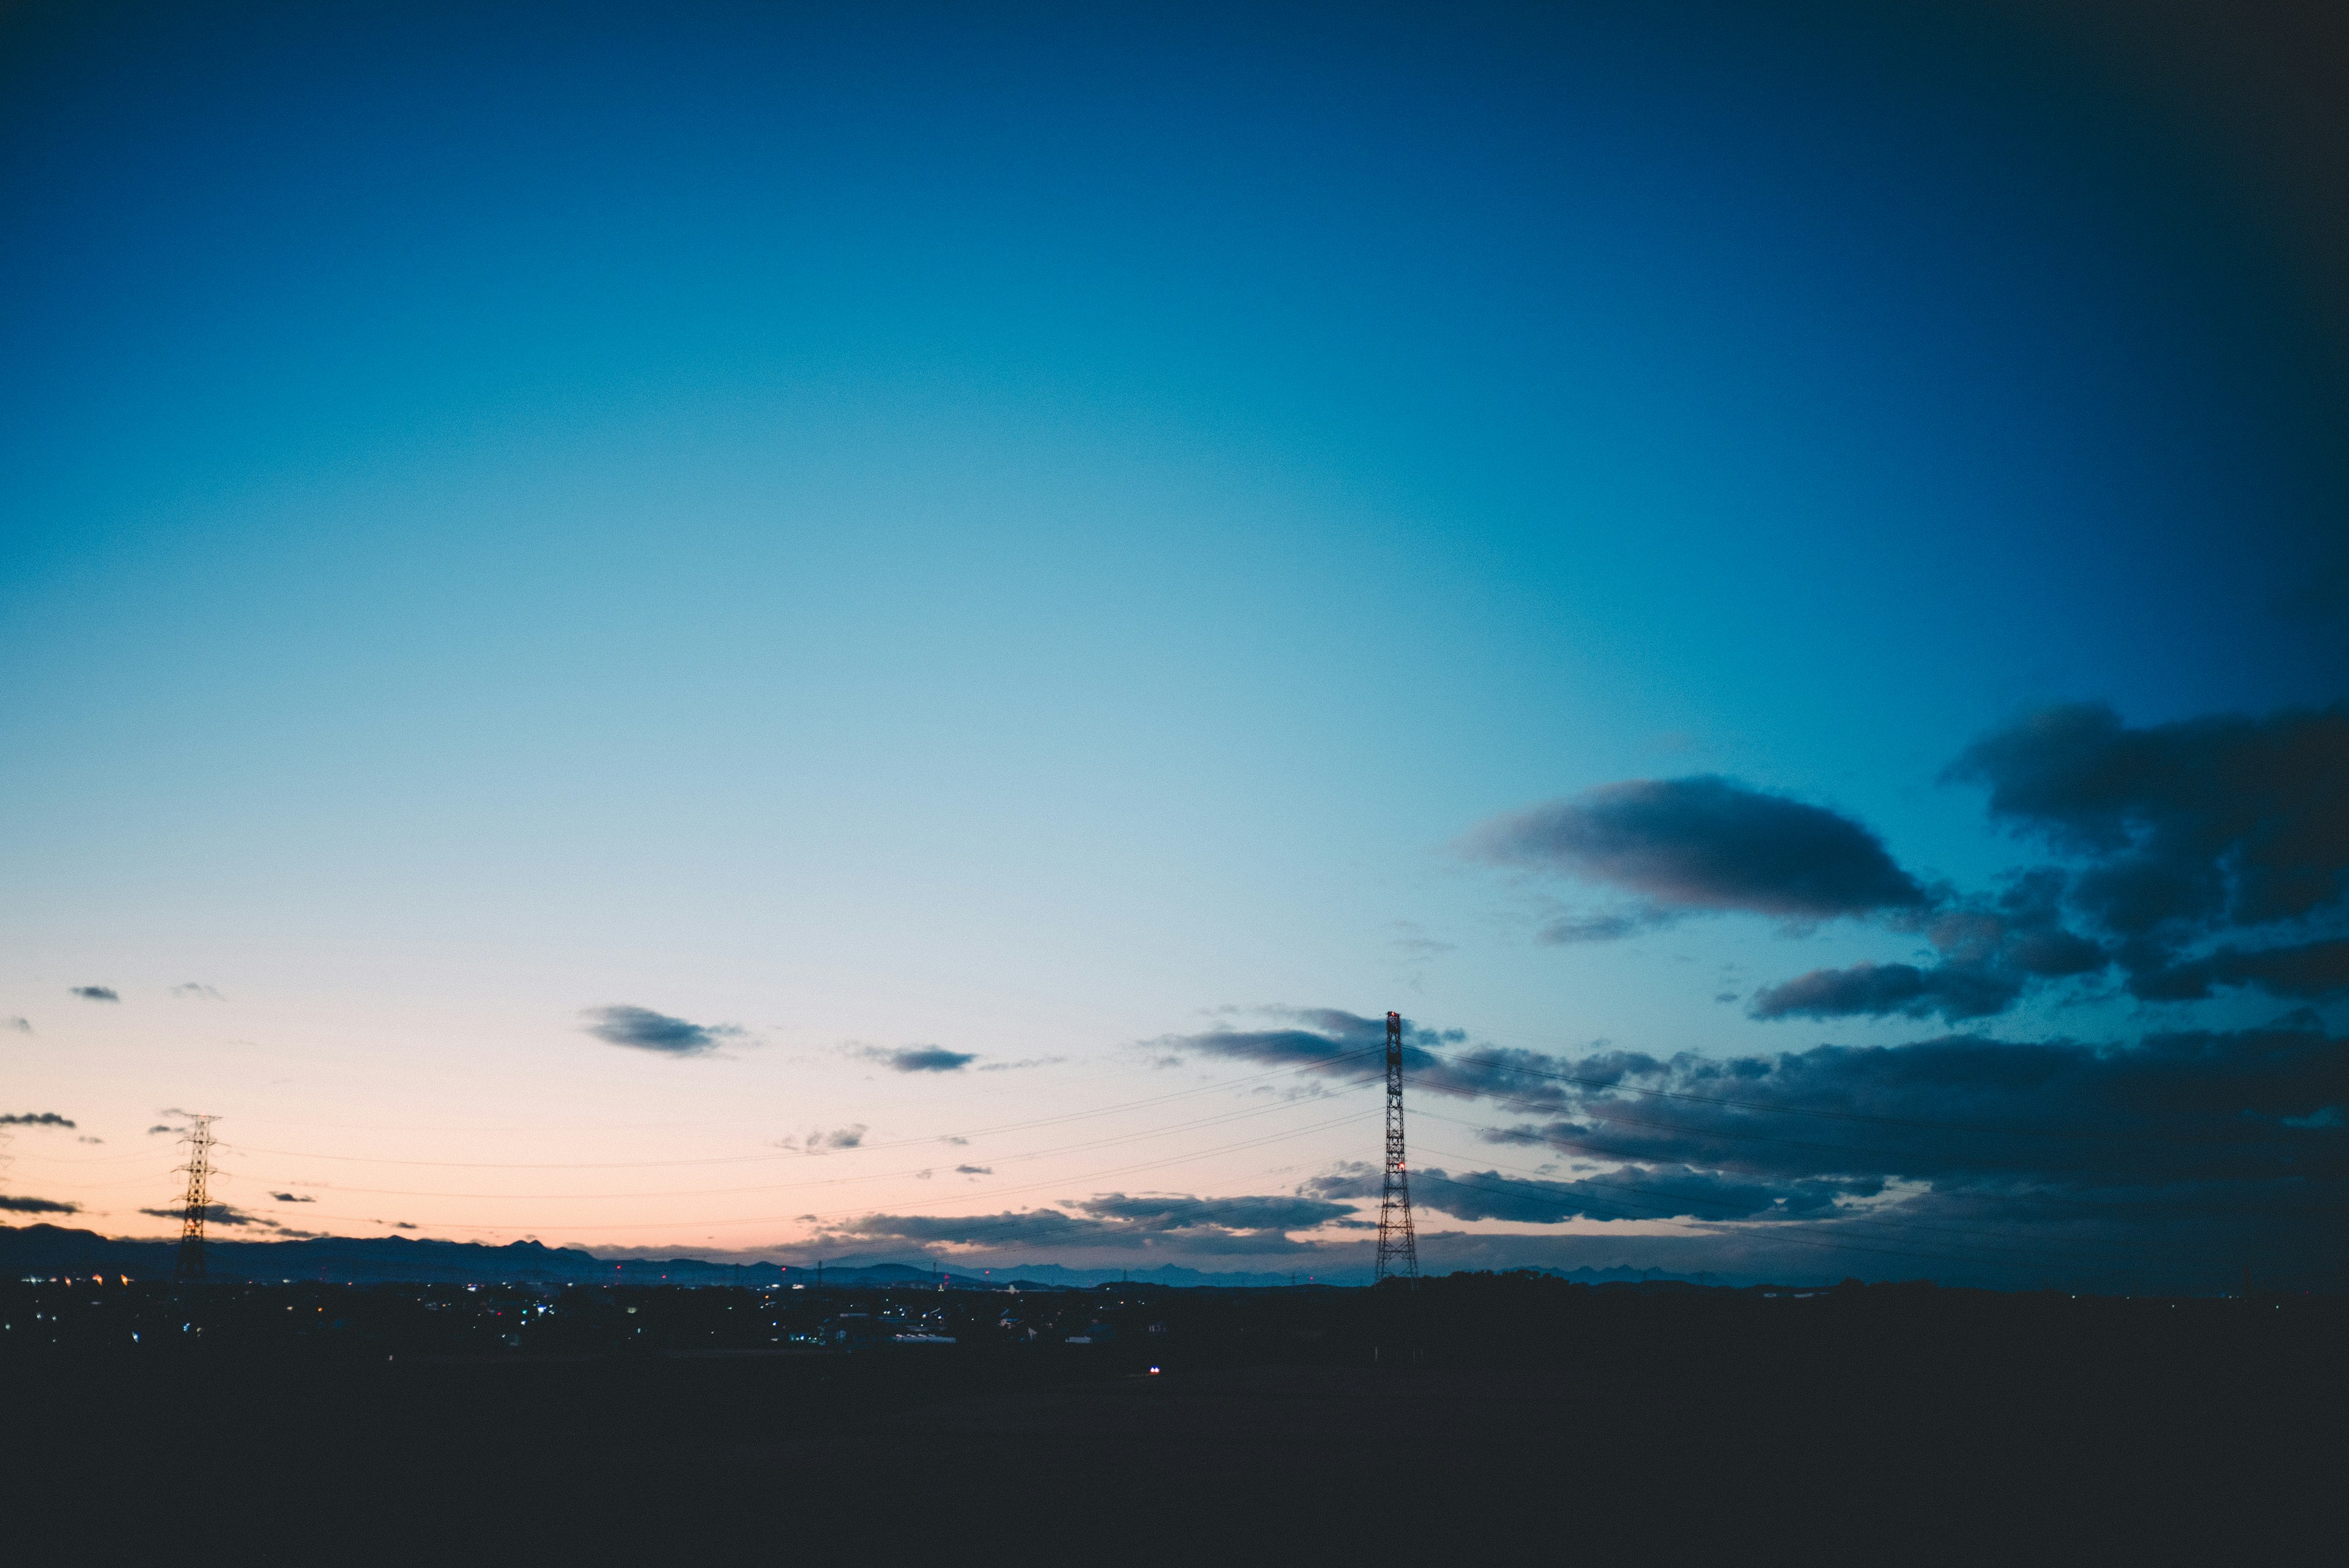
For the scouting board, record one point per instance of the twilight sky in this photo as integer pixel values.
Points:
(880, 630)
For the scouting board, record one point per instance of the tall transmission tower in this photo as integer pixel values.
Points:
(1398, 1250)
(190, 1269)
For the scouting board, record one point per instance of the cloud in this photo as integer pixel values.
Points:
(401, 1225)
(1413, 939)
(1953, 991)
(1278, 1212)
(2168, 840)
(974, 1170)
(819, 1142)
(97, 994)
(918, 1058)
(2193, 1110)
(1021, 1064)
(292, 1197)
(2184, 832)
(642, 1029)
(2310, 970)
(21, 1025)
(2177, 1140)
(1707, 842)
(197, 990)
(35, 1120)
(1179, 1225)
(1613, 926)
(1347, 1178)
(216, 1214)
(162, 1127)
(1328, 1038)
(1636, 1191)
(36, 1206)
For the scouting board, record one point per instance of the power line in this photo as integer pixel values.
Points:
(998, 1192)
(1216, 1119)
(1321, 1063)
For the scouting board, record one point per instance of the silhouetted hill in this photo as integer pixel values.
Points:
(54, 1250)
(49, 1250)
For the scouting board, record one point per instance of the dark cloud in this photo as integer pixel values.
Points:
(642, 1029)
(97, 994)
(1327, 1037)
(1347, 1178)
(918, 1058)
(1648, 1192)
(1159, 1213)
(1179, 1225)
(2171, 839)
(35, 1120)
(2183, 1110)
(2310, 970)
(216, 1214)
(292, 1197)
(402, 1225)
(2183, 833)
(1708, 842)
(1953, 991)
(161, 1127)
(196, 991)
(36, 1206)
(2229, 1141)
(974, 1170)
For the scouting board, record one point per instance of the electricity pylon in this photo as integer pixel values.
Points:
(1398, 1250)
(190, 1269)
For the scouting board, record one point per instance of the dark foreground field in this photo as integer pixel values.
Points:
(1499, 1422)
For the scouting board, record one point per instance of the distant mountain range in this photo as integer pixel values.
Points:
(51, 1249)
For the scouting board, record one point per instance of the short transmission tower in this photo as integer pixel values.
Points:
(190, 1269)
(1398, 1250)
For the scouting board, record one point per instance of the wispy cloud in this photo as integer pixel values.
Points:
(821, 1142)
(917, 1058)
(642, 1029)
(196, 991)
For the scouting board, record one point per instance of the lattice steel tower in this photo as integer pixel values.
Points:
(190, 1269)
(1398, 1251)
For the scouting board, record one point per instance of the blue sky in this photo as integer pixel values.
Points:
(884, 526)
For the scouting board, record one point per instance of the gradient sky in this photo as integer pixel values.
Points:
(1036, 532)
